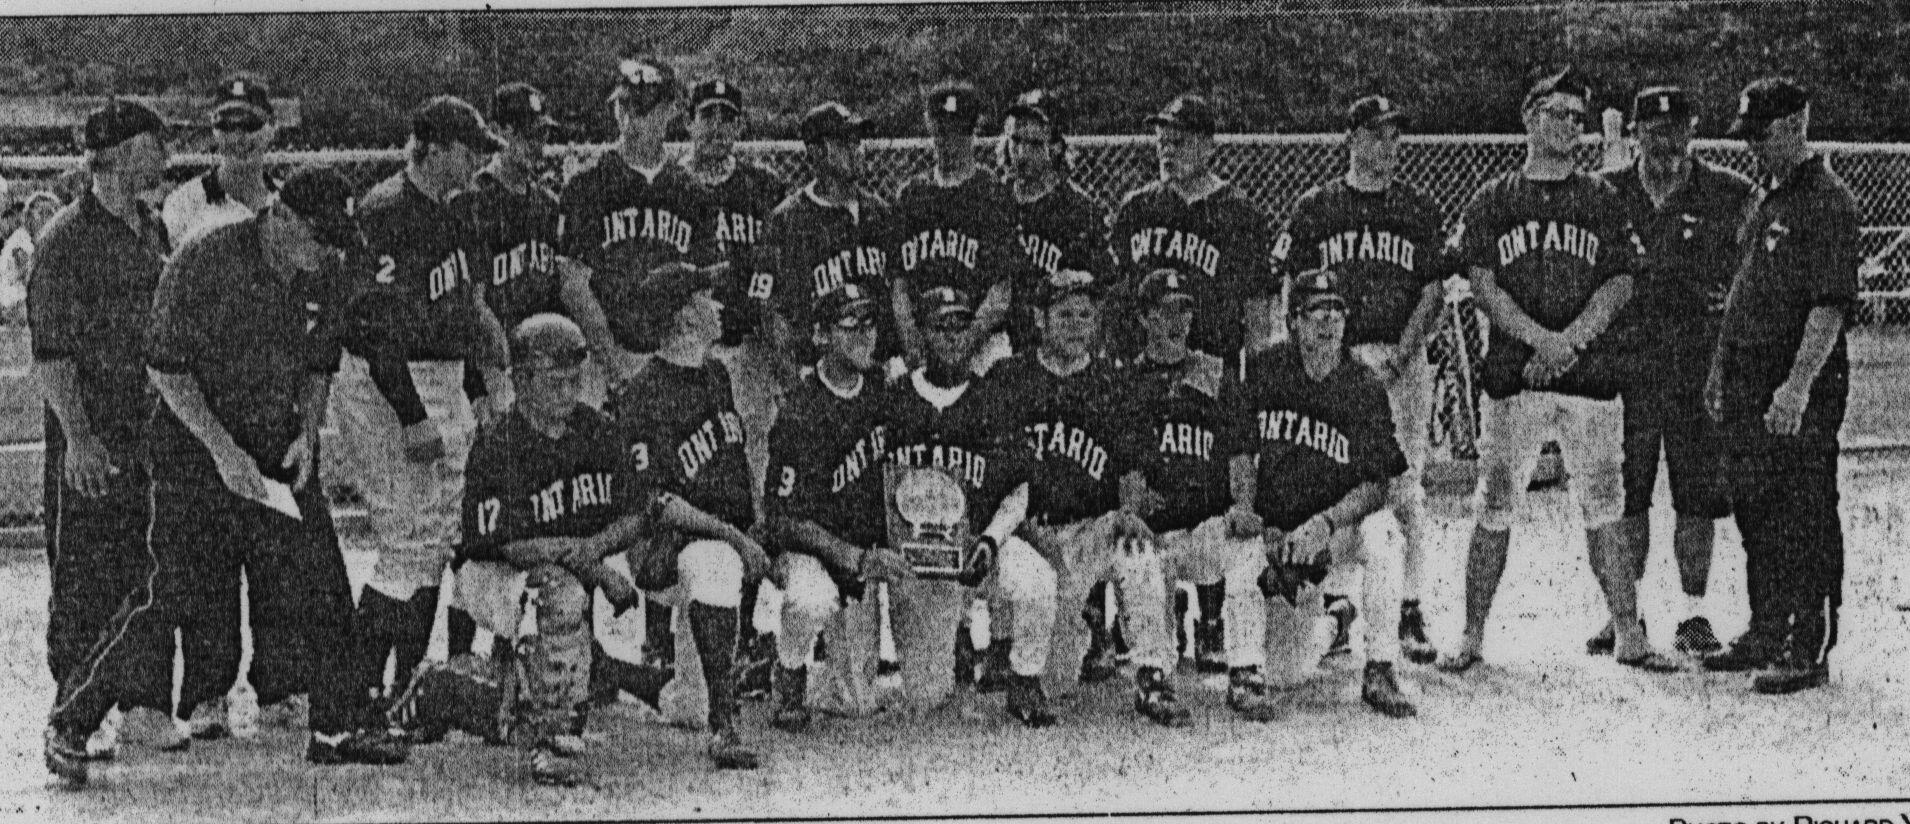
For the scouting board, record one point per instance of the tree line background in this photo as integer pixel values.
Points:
(1283, 67)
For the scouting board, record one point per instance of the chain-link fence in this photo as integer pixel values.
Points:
(1271, 169)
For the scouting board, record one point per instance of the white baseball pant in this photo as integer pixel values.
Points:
(1410, 394)
(1089, 554)
(924, 615)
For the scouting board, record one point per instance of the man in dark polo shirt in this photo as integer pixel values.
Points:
(1778, 384)
(87, 299)
(1686, 211)
(243, 364)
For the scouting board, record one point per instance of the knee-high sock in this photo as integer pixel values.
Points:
(714, 629)
(414, 635)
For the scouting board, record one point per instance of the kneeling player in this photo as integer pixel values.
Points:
(1314, 453)
(826, 514)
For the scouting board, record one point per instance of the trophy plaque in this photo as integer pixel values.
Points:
(928, 519)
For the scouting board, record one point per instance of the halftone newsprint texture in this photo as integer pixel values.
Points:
(1541, 731)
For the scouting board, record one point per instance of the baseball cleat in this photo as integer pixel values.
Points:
(209, 721)
(569, 745)
(1696, 638)
(995, 673)
(552, 768)
(1154, 699)
(1750, 651)
(1602, 643)
(1027, 703)
(1381, 692)
(1789, 677)
(792, 695)
(1249, 697)
(1342, 611)
(66, 757)
(289, 713)
(374, 747)
(1651, 661)
(1458, 663)
(1210, 648)
(103, 744)
(150, 727)
(1413, 642)
(729, 753)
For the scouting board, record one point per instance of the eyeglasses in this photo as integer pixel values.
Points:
(1564, 113)
(1321, 311)
(855, 323)
(242, 123)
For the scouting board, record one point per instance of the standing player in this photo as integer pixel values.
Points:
(1060, 225)
(1551, 258)
(1206, 229)
(1380, 236)
(88, 299)
(1778, 384)
(943, 415)
(955, 230)
(1687, 212)
(401, 407)
(677, 420)
(1084, 499)
(826, 513)
(1314, 454)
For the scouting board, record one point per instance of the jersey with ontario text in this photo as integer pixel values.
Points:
(974, 432)
(740, 206)
(519, 228)
(622, 224)
(825, 464)
(960, 236)
(1186, 441)
(521, 483)
(1065, 229)
(680, 428)
(1082, 434)
(1218, 244)
(1385, 246)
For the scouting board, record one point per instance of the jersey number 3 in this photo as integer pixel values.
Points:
(788, 486)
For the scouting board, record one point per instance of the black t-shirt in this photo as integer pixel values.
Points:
(1218, 243)
(976, 435)
(522, 484)
(1313, 441)
(1385, 245)
(683, 434)
(960, 236)
(622, 225)
(519, 230)
(1189, 430)
(1065, 229)
(740, 207)
(1083, 431)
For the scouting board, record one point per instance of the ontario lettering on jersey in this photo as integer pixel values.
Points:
(529, 256)
(1365, 244)
(1292, 427)
(735, 229)
(940, 244)
(858, 460)
(859, 263)
(707, 439)
(648, 223)
(1548, 236)
(1186, 439)
(1058, 439)
(1176, 245)
(970, 467)
(570, 495)
(449, 273)
(1042, 251)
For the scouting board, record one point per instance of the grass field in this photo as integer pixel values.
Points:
(1539, 724)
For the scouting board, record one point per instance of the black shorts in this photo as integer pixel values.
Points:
(1670, 413)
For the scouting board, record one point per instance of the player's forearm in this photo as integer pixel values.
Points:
(1259, 322)
(182, 395)
(1599, 311)
(1502, 311)
(904, 308)
(312, 398)
(684, 516)
(804, 535)
(1008, 515)
(574, 289)
(1820, 337)
(1419, 327)
(1242, 481)
(994, 307)
(391, 374)
(1351, 510)
(60, 385)
(493, 349)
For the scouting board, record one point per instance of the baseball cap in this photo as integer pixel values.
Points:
(1165, 285)
(669, 286)
(1567, 81)
(117, 122)
(953, 101)
(1371, 111)
(1036, 104)
(1660, 102)
(849, 300)
(323, 198)
(717, 92)
(1314, 288)
(644, 82)
(831, 120)
(548, 340)
(944, 306)
(448, 119)
(520, 106)
(1764, 101)
(1188, 112)
(1068, 282)
(241, 100)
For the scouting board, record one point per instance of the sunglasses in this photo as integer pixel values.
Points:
(243, 123)
(855, 322)
(1564, 113)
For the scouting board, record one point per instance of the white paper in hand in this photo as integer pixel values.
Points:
(278, 496)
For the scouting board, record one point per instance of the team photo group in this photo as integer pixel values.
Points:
(983, 440)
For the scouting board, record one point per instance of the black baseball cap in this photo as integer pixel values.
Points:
(954, 102)
(843, 303)
(323, 198)
(520, 106)
(1188, 112)
(644, 82)
(548, 340)
(1037, 104)
(1764, 101)
(667, 287)
(241, 100)
(832, 120)
(1317, 287)
(1067, 282)
(1372, 111)
(1660, 103)
(448, 119)
(1165, 285)
(944, 305)
(117, 122)
(716, 92)
(1567, 81)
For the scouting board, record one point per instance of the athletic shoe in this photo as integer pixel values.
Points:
(1413, 642)
(1154, 699)
(1695, 638)
(552, 768)
(362, 747)
(151, 728)
(1027, 703)
(886, 667)
(568, 745)
(103, 744)
(1752, 650)
(1342, 611)
(1249, 697)
(210, 720)
(1099, 665)
(1210, 647)
(996, 674)
(1603, 642)
(66, 757)
(792, 696)
(1788, 677)
(729, 753)
(1381, 692)
(289, 713)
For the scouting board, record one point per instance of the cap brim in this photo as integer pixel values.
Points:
(1748, 127)
(240, 106)
(1383, 118)
(1174, 297)
(719, 101)
(1033, 112)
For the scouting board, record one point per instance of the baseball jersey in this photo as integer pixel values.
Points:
(817, 247)
(740, 206)
(622, 224)
(1082, 432)
(974, 431)
(203, 203)
(519, 232)
(1219, 245)
(1551, 244)
(521, 483)
(1312, 441)
(960, 236)
(1188, 430)
(825, 463)
(1691, 253)
(1061, 230)
(1385, 247)
(683, 435)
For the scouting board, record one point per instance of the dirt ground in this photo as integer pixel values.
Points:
(1541, 723)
